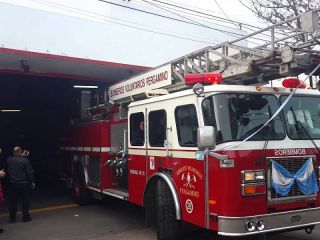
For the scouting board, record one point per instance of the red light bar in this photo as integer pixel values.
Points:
(293, 83)
(203, 78)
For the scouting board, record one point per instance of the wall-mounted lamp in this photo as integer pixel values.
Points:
(83, 86)
(10, 110)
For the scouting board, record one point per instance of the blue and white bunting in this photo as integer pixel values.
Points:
(282, 179)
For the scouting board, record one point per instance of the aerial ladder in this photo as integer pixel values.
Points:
(275, 52)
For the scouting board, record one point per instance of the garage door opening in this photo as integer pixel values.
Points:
(34, 110)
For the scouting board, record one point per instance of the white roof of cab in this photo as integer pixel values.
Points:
(226, 88)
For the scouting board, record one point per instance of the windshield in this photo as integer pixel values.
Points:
(237, 116)
(302, 117)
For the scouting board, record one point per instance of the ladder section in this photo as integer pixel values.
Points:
(270, 53)
(285, 49)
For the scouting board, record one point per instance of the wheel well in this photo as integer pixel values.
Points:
(78, 166)
(150, 190)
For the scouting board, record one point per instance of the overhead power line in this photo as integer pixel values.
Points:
(172, 18)
(200, 12)
(94, 15)
(221, 9)
(248, 26)
(180, 20)
(233, 34)
(193, 7)
(189, 19)
(190, 12)
(149, 30)
(203, 15)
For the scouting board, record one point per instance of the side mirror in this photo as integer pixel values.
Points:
(206, 137)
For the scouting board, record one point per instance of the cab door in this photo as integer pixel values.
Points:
(158, 159)
(189, 166)
(137, 155)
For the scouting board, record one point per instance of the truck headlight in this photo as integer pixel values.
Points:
(249, 176)
(253, 176)
(259, 176)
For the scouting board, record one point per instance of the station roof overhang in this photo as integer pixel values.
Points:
(64, 67)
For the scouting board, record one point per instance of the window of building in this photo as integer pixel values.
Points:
(157, 128)
(187, 125)
(137, 129)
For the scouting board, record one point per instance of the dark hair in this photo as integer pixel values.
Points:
(17, 151)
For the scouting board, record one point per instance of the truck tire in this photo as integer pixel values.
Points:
(168, 227)
(81, 194)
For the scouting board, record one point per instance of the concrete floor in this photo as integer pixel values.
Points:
(55, 217)
(75, 223)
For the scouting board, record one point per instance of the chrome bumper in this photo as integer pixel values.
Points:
(236, 226)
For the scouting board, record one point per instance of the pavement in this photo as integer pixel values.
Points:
(56, 217)
(107, 220)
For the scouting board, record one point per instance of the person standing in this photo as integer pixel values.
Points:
(21, 181)
(2, 174)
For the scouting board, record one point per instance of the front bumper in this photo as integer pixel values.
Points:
(237, 226)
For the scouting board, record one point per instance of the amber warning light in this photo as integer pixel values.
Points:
(203, 78)
(293, 83)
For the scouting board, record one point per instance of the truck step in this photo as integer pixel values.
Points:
(118, 193)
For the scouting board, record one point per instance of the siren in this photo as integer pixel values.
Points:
(293, 83)
(203, 78)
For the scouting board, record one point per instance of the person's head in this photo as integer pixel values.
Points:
(141, 125)
(17, 151)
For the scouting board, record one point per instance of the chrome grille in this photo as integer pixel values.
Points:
(292, 164)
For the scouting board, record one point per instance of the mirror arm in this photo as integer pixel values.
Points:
(217, 155)
(224, 160)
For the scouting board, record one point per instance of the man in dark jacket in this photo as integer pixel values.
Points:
(21, 180)
(2, 174)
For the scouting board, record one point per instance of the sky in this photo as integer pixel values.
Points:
(231, 9)
(118, 29)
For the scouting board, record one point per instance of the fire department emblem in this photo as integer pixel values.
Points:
(189, 179)
(189, 206)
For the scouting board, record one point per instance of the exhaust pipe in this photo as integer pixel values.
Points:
(309, 230)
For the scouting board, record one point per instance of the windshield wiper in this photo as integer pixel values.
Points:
(300, 126)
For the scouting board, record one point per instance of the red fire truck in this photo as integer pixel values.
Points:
(202, 140)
